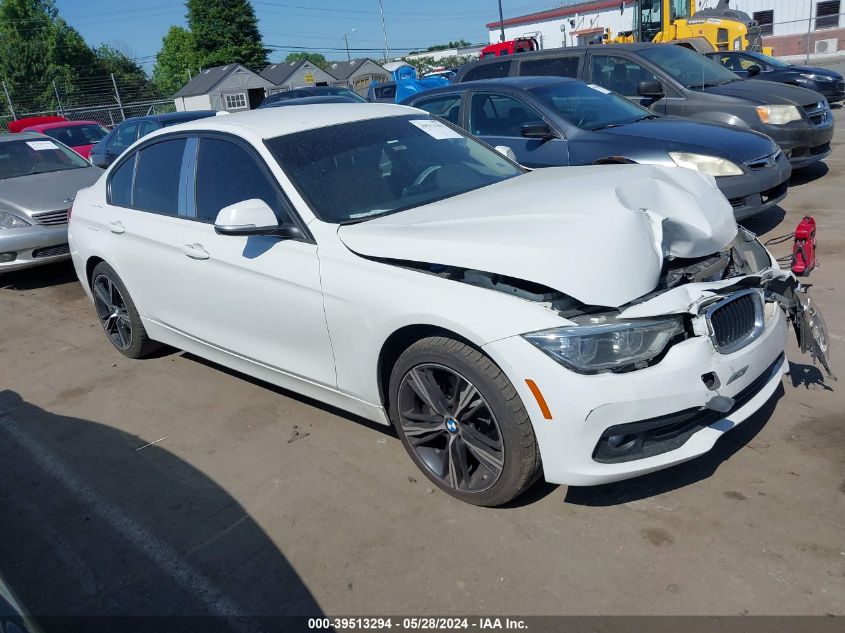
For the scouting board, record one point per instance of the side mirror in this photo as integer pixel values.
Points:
(506, 151)
(754, 70)
(536, 129)
(651, 89)
(252, 217)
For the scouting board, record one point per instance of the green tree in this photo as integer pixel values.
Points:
(130, 78)
(175, 61)
(37, 47)
(315, 58)
(226, 31)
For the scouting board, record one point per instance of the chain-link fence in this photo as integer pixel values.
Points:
(107, 100)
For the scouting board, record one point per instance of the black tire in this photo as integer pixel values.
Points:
(137, 344)
(445, 360)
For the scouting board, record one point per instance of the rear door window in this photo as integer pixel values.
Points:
(226, 174)
(445, 106)
(120, 183)
(147, 127)
(551, 66)
(500, 115)
(157, 177)
(492, 70)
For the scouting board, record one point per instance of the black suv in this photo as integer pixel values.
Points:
(674, 80)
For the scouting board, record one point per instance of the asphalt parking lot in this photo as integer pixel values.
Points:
(174, 486)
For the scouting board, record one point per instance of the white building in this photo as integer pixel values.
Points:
(785, 23)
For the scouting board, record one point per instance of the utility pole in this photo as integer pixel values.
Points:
(346, 39)
(501, 23)
(809, 28)
(384, 29)
(117, 96)
(9, 101)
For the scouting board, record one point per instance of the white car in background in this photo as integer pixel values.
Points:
(588, 324)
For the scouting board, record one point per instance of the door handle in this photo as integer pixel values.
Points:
(117, 227)
(195, 251)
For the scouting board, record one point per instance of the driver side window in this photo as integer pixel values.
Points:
(226, 174)
(500, 115)
(619, 74)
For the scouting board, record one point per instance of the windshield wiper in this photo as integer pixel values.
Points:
(607, 126)
(647, 117)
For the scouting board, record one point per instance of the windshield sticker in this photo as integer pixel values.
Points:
(599, 88)
(40, 146)
(436, 129)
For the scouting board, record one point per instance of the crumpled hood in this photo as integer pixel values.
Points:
(45, 192)
(766, 92)
(598, 234)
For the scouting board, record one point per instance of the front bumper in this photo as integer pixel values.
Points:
(801, 141)
(756, 191)
(33, 246)
(583, 407)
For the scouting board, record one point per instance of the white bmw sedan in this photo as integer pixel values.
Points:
(585, 324)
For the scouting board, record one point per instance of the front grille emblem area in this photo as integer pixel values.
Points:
(736, 321)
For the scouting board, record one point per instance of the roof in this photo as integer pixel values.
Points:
(60, 124)
(21, 136)
(344, 70)
(281, 72)
(271, 122)
(190, 115)
(205, 81)
(561, 12)
(518, 83)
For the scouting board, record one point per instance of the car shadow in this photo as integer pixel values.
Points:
(102, 533)
(381, 428)
(808, 174)
(762, 223)
(807, 376)
(678, 476)
(44, 276)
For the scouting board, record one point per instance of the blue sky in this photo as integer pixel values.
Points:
(301, 23)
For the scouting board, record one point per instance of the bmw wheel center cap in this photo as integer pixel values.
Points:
(451, 425)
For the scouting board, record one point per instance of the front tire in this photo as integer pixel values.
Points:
(462, 422)
(118, 315)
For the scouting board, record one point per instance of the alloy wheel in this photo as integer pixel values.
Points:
(112, 312)
(450, 428)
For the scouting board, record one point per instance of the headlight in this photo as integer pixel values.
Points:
(596, 347)
(820, 78)
(778, 114)
(9, 221)
(710, 165)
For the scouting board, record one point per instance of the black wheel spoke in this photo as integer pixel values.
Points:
(481, 448)
(422, 381)
(111, 309)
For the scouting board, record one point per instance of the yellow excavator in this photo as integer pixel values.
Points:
(706, 30)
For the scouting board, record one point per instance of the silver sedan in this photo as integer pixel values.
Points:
(39, 178)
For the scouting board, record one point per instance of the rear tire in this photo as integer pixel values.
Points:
(118, 315)
(462, 422)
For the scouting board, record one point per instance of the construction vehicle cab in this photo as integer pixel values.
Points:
(678, 22)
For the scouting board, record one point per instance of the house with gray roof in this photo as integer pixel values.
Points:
(358, 74)
(232, 87)
(296, 74)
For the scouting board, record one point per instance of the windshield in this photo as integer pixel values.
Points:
(589, 107)
(36, 156)
(766, 59)
(688, 67)
(78, 134)
(354, 171)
